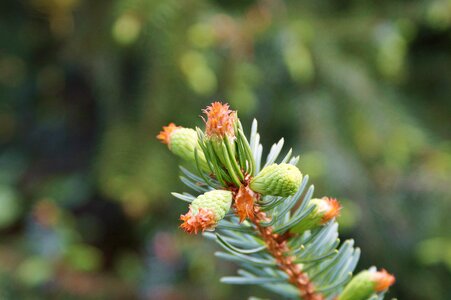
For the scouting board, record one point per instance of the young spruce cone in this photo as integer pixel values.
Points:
(277, 180)
(206, 211)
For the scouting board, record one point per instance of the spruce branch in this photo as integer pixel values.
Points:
(264, 217)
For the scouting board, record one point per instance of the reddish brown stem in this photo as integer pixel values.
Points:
(245, 205)
(278, 247)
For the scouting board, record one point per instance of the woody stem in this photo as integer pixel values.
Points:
(278, 248)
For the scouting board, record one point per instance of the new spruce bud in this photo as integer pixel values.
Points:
(206, 211)
(221, 142)
(277, 180)
(182, 142)
(366, 283)
(220, 121)
(324, 210)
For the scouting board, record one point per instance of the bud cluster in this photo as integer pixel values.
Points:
(224, 160)
(223, 152)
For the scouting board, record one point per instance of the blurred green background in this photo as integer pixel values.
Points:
(361, 89)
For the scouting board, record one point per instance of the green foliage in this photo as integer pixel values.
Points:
(318, 252)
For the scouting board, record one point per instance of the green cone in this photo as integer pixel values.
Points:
(182, 142)
(277, 180)
(361, 287)
(218, 201)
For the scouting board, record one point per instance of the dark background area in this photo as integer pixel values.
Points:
(360, 89)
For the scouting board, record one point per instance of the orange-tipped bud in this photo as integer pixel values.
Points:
(383, 280)
(164, 135)
(183, 143)
(330, 208)
(325, 209)
(367, 283)
(206, 211)
(193, 223)
(220, 120)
